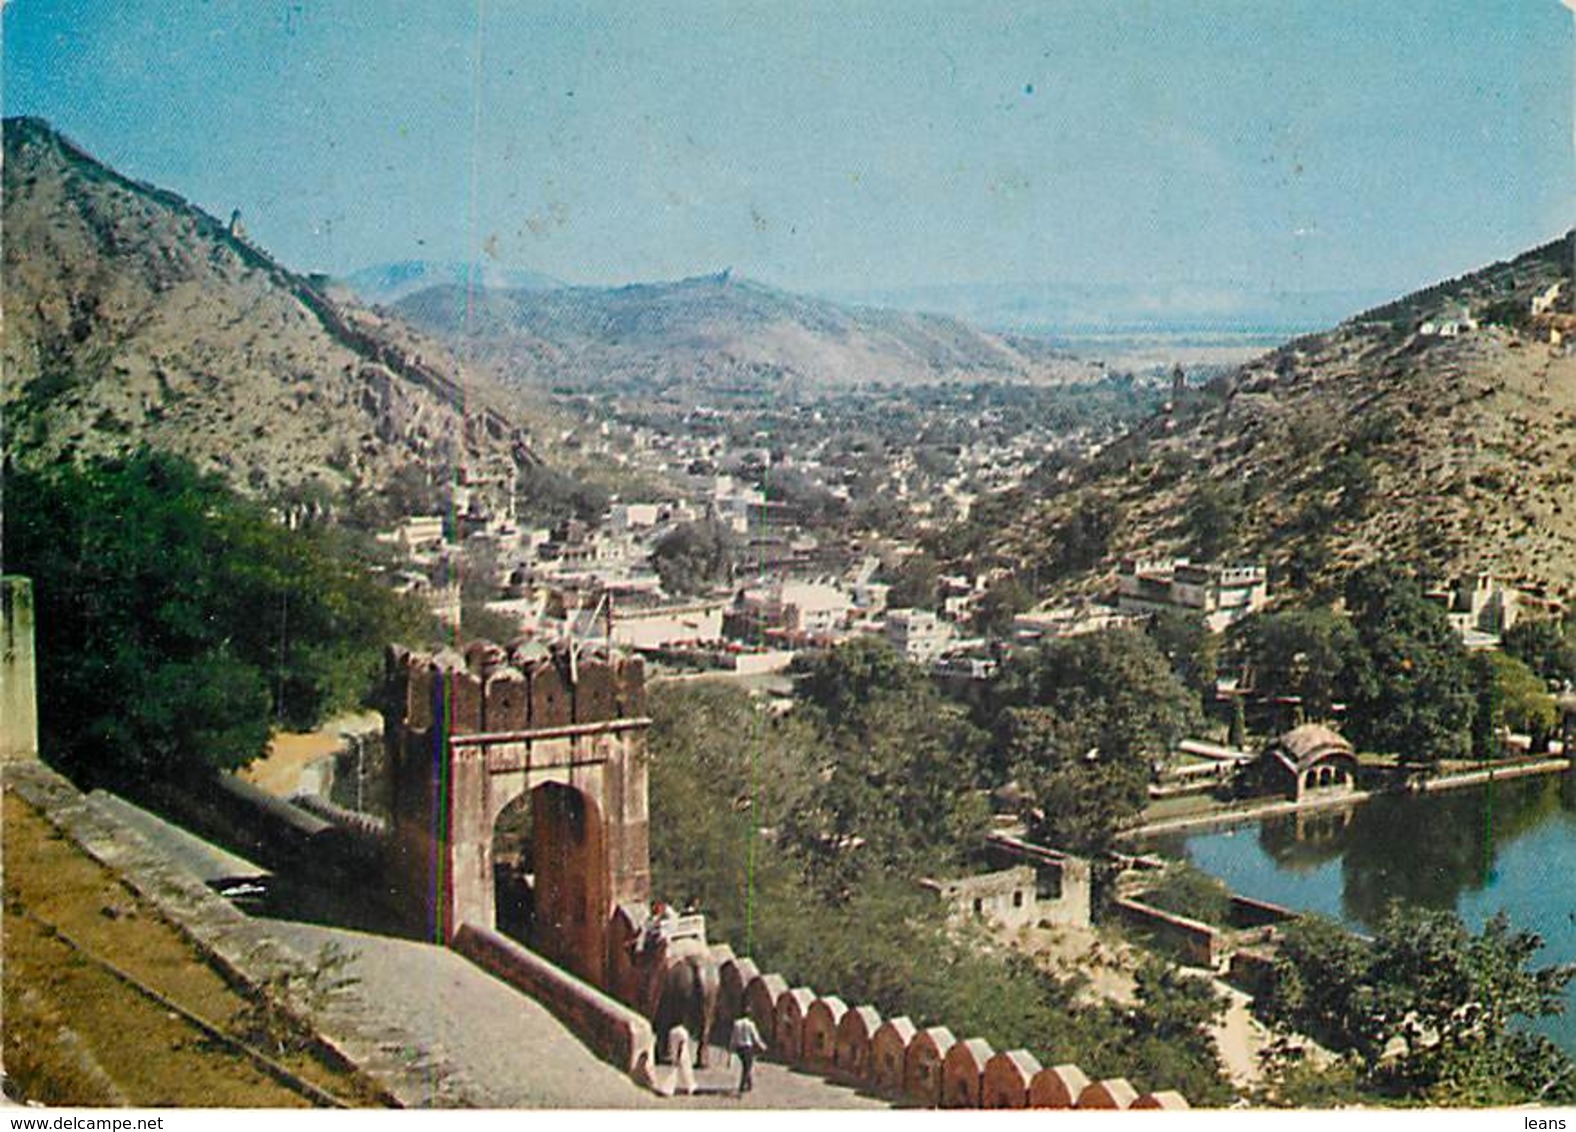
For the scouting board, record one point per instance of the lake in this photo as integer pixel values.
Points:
(1507, 846)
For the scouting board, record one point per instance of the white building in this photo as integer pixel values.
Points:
(1481, 608)
(1048, 623)
(668, 625)
(1221, 595)
(812, 608)
(629, 516)
(916, 634)
(417, 533)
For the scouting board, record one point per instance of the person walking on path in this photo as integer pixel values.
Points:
(746, 1041)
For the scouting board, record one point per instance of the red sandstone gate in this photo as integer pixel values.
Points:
(466, 737)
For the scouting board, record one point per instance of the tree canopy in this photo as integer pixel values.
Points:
(1187, 643)
(1509, 696)
(740, 801)
(1426, 1009)
(177, 622)
(899, 776)
(1547, 645)
(1414, 694)
(694, 557)
(1083, 722)
(1313, 654)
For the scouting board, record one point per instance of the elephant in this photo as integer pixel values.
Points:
(685, 994)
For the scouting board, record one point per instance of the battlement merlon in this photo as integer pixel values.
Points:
(511, 694)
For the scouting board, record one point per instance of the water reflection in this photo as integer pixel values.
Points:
(1507, 846)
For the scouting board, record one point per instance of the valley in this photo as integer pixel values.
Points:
(450, 548)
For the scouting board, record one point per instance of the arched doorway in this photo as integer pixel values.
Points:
(571, 888)
(514, 870)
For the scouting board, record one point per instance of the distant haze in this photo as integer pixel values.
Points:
(388, 282)
(1071, 310)
(1300, 146)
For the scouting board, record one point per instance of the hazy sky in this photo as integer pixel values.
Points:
(837, 145)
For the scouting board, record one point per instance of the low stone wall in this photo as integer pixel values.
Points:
(614, 1032)
(1249, 913)
(1198, 943)
(1499, 772)
(1252, 970)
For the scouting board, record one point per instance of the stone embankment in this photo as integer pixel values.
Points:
(1233, 815)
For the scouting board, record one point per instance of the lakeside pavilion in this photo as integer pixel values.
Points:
(1308, 761)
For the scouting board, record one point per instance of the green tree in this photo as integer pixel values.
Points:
(1488, 710)
(1313, 654)
(1427, 1007)
(1352, 477)
(181, 622)
(1003, 600)
(721, 771)
(1213, 514)
(1169, 1033)
(1237, 732)
(1117, 682)
(899, 786)
(1510, 695)
(1083, 722)
(1413, 695)
(1085, 537)
(843, 679)
(1546, 645)
(477, 622)
(1192, 650)
(694, 557)
(1081, 794)
(914, 583)
(1189, 891)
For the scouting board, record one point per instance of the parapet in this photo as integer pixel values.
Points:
(490, 689)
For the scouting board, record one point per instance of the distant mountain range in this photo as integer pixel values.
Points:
(1437, 431)
(132, 317)
(718, 332)
(388, 282)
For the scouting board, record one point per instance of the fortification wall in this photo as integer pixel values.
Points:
(822, 1034)
(1197, 942)
(467, 733)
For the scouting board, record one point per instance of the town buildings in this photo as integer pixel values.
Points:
(1221, 595)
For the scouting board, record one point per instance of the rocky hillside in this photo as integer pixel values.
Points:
(133, 317)
(719, 333)
(1437, 431)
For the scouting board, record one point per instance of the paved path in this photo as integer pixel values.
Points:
(510, 1046)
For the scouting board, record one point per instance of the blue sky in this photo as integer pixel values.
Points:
(1278, 144)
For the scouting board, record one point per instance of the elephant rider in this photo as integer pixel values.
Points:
(659, 928)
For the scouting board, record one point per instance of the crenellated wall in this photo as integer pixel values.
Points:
(894, 1058)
